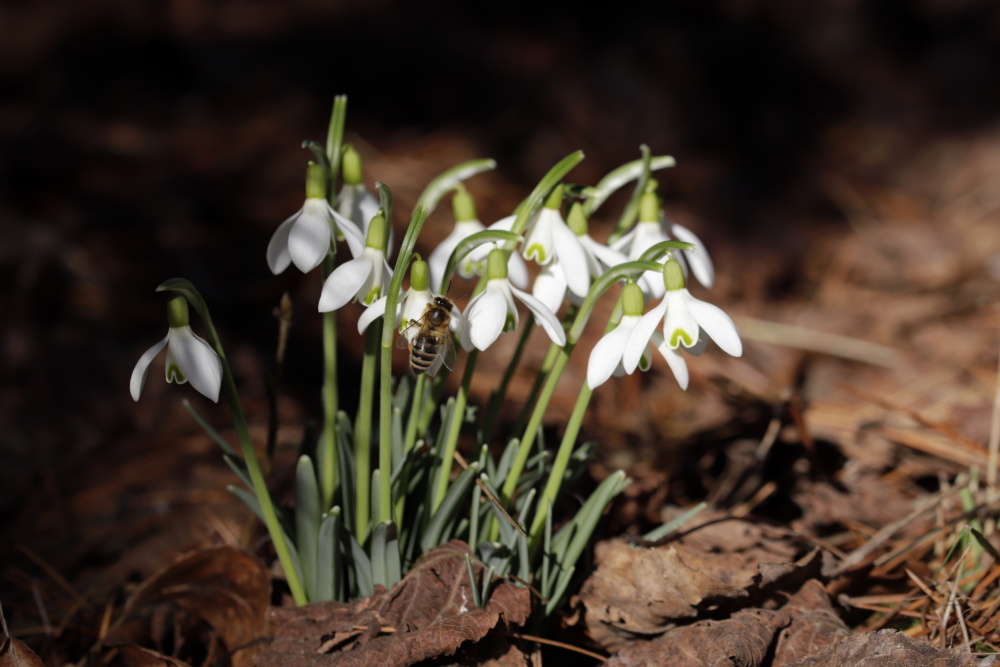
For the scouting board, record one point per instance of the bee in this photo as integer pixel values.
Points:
(432, 345)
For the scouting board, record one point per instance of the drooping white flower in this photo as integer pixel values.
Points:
(362, 278)
(606, 357)
(410, 307)
(493, 311)
(550, 242)
(687, 322)
(304, 238)
(189, 357)
(650, 230)
(467, 224)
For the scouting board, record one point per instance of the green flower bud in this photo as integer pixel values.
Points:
(463, 206)
(315, 181)
(419, 276)
(350, 167)
(377, 232)
(555, 198)
(633, 302)
(649, 206)
(673, 275)
(496, 265)
(177, 312)
(577, 219)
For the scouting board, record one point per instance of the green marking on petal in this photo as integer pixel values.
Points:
(373, 296)
(537, 253)
(509, 324)
(174, 374)
(680, 337)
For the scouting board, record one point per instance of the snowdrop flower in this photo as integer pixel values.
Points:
(354, 202)
(492, 311)
(550, 242)
(552, 283)
(687, 323)
(363, 277)
(606, 357)
(189, 357)
(650, 231)
(304, 238)
(411, 306)
(467, 224)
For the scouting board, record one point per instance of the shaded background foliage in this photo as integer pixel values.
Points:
(156, 139)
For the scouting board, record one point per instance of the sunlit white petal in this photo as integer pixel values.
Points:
(372, 313)
(197, 360)
(141, 369)
(673, 358)
(639, 338)
(486, 315)
(351, 232)
(701, 263)
(679, 326)
(309, 239)
(543, 316)
(550, 286)
(571, 255)
(719, 326)
(278, 258)
(343, 284)
(599, 256)
(606, 356)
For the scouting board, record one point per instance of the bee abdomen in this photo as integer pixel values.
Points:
(423, 353)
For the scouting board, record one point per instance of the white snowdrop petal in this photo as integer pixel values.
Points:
(701, 263)
(198, 361)
(486, 318)
(674, 359)
(309, 241)
(352, 234)
(517, 271)
(679, 326)
(607, 257)
(606, 356)
(719, 326)
(543, 316)
(343, 284)
(278, 258)
(550, 287)
(372, 313)
(639, 338)
(141, 370)
(572, 258)
(437, 262)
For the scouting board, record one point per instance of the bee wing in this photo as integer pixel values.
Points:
(403, 341)
(445, 357)
(448, 353)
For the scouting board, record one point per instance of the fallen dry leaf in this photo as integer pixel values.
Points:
(742, 641)
(430, 613)
(133, 655)
(639, 593)
(15, 653)
(225, 587)
(886, 648)
(815, 625)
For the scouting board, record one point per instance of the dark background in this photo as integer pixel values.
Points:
(145, 140)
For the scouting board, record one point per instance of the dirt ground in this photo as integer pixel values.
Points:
(840, 161)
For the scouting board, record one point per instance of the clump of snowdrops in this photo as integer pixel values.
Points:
(359, 522)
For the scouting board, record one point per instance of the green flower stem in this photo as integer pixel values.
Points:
(451, 443)
(363, 431)
(552, 486)
(335, 141)
(413, 420)
(385, 376)
(626, 270)
(327, 452)
(536, 387)
(622, 176)
(274, 529)
(500, 394)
